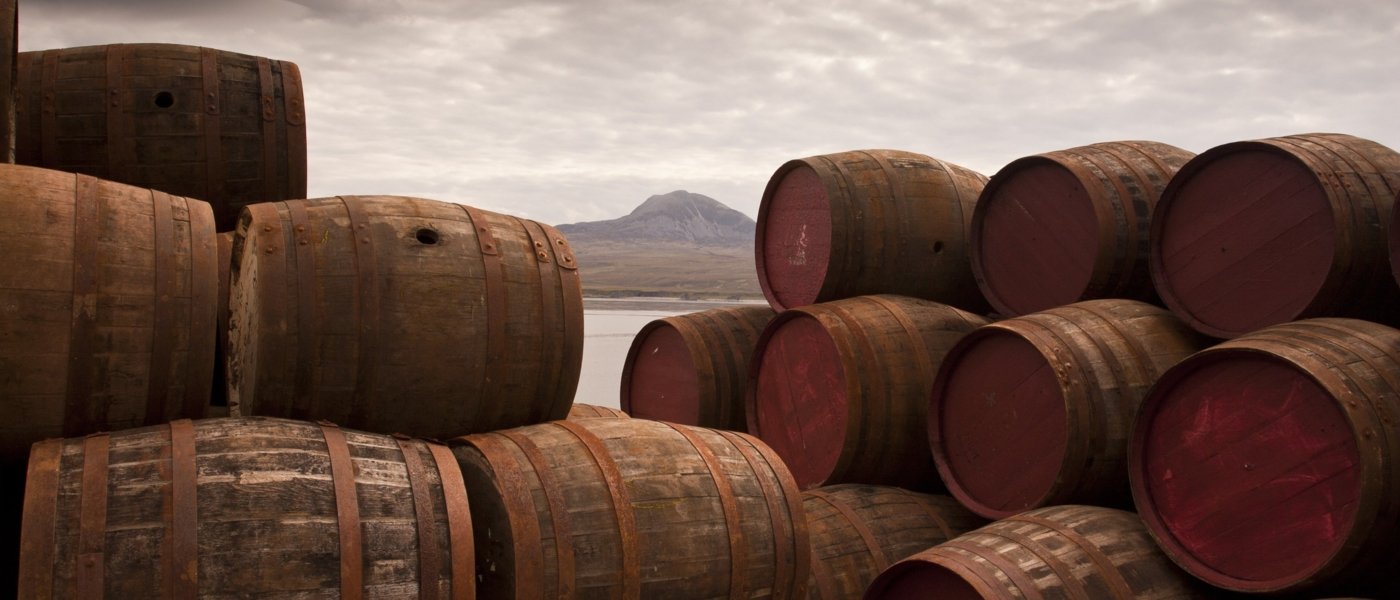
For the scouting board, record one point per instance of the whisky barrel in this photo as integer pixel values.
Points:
(857, 531)
(1072, 552)
(405, 315)
(691, 368)
(227, 128)
(592, 411)
(1037, 410)
(840, 389)
(1070, 225)
(109, 307)
(867, 222)
(1269, 463)
(1251, 234)
(223, 508)
(631, 508)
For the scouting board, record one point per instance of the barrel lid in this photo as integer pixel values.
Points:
(926, 576)
(792, 243)
(798, 397)
(660, 380)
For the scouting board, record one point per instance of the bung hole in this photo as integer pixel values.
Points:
(427, 236)
(937, 247)
(165, 99)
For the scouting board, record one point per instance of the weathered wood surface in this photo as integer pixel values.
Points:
(593, 411)
(691, 369)
(402, 315)
(1270, 463)
(1070, 552)
(631, 509)
(1070, 225)
(109, 305)
(1037, 410)
(236, 508)
(227, 128)
(867, 222)
(858, 531)
(1252, 234)
(9, 51)
(840, 390)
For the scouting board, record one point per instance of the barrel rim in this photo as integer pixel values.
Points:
(625, 396)
(760, 232)
(932, 558)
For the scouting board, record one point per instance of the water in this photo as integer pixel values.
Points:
(609, 325)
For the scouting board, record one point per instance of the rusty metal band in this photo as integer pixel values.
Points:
(853, 230)
(1125, 233)
(930, 511)
(877, 554)
(1063, 571)
(964, 203)
(81, 412)
(549, 314)
(294, 113)
(1143, 367)
(459, 522)
(801, 542)
(733, 523)
(92, 518)
(826, 581)
(856, 357)
(894, 229)
(1111, 575)
(304, 390)
(267, 108)
(916, 339)
(521, 514)
(558, 511)
(36, 541)
(1005, 565)
(1087, 420)
(204, 307)
(183, 529)
(429, 549)
(783, 560)
(571, 288)
(162, 315)
(121, 147)
(48, 109)
(366, 306)
(211, 101)
(621, 499)
(347, 511)
(702, 361)
(496, 313)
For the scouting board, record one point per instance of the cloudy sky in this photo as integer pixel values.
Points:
(577, 110)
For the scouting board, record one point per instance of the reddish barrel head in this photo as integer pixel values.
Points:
(804, 386)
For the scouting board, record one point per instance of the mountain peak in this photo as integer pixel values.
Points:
(678, 216)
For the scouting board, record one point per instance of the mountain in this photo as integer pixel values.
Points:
(678, 244)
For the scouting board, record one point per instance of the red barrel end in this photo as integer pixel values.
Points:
(801, 377)
(661, 369)
(793, 240)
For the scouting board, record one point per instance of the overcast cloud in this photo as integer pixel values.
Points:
(578, 110)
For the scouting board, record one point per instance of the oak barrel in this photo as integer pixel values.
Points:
(1036, 411)
(1071, 552)
(1251, 234)
(109, 307)
(840, 389)
(1270, 463)
(223, 508)
(593, 411)
(224, 127)
(857, 531)
(691, 368)
(631, 508)
(405, 315)
(867, 222)
(1070, 225)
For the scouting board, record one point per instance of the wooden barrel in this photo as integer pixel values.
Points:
(1060, 227)
(108, 307)
(857, 531)
(403, 315)
(1036, 410)
(227, 128)
(9, 50)
(591, 411)
(223, 508)
(691, 369)
(1269, 463)
(840, 389)
(1251, 234)
(631, 508)
(1072, 552)
(867, 222)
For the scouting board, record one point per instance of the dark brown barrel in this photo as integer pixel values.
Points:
(591, 411)
(1071, 552)
(691, 369)
(1036, 411)
(867, 222)
(9, 50)
(858, 531)
(227, 128)
(840, 389)
(224, 508)
(404, 315)
(1070, 225)
(1270, 463)
(632, 509)
(109, 305)
(1251, 234)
